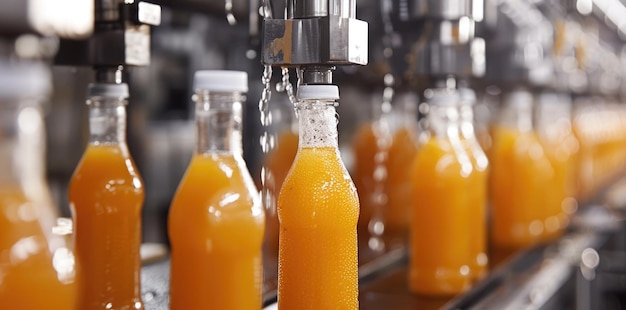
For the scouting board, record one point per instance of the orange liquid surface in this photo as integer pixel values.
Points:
(520, 176)
(318, 210)
(216, 232)
(440, 233)
(106, 195)
(28, 278)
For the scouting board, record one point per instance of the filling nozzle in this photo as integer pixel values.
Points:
(121, 36)
(316, 33)
(111, 75)
(315, 74)
(321, 8)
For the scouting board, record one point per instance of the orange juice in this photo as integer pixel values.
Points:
(365, 148)
(281, 158)
(106, 196)
(520, 172)
(402, 150)
(216, 230)
(401, 153)
(318, 210)
(560, 190)
(33, 275)
(279, 161)
(557, 191)
(441, 221)
(477, 183)
(555, 133)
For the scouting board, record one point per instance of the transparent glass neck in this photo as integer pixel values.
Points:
(218, 122)
(22, 144)
(107, 120)
(443, 121)
(466, 114)
(517, 115)
(318, 123)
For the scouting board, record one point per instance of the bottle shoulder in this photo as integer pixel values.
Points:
(318, 183)
(221, 181)
(108, 167)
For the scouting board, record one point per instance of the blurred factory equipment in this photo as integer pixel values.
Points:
(121, 38)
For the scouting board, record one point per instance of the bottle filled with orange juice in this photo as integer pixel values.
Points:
(318, 210)
(106, 196)
(520, 173)
(394, 140)
(478, 193)
(555, 133)
(216, 219)
(402, 150)
(443, 227)
(37, 267)
(277, 162)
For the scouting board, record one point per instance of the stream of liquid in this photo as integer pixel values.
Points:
(382, 132)
(267, 141)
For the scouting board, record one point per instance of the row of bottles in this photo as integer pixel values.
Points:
(216, 221)
(600, 128)
(438, 183)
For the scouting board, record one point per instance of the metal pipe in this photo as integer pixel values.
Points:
(113, 75)
(310, 8)
(316, 74)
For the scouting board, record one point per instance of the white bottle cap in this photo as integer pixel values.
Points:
(24, 80)
(467, 95)
(322, 92)
(442, 97)
(221, 81)
(108, 90)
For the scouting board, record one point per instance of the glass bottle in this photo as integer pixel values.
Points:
(370, 143)
(318, 210)
(106, 196)
(478, 192)
(37, 267)
(441, 228)
(278, 161)
(216, 219)
(383, 146)
(520, 172)
(555, 133)
(402, 150)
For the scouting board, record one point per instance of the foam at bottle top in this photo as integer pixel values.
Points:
(318, 127)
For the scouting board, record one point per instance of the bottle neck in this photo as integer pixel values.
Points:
(22, 144)
(466, 114)
(443, 121)
(107, 121)
(517, 115)
(318, 123)
(218, 122)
